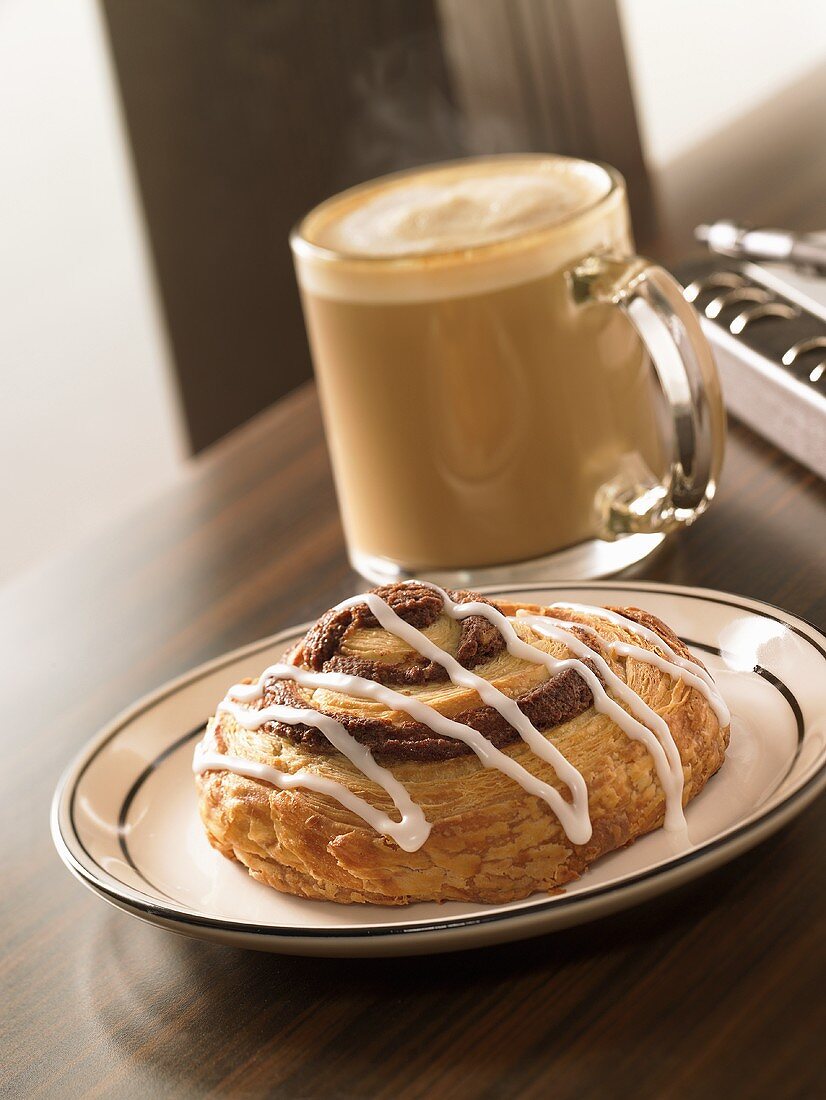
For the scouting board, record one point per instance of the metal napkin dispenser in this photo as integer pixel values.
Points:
(767, 326)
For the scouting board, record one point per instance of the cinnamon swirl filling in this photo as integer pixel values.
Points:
(325, 649)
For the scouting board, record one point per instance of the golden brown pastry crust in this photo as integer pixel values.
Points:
(491, 841)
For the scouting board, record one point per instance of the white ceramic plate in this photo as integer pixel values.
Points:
(124, 816)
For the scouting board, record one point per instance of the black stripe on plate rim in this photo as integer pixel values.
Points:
(131, 794)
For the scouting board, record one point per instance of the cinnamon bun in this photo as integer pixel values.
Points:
(424, 745)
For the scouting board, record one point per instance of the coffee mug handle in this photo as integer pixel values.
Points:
(670, 330)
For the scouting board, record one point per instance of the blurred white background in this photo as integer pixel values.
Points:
(84, 364)
(89, 424)
(699, 65)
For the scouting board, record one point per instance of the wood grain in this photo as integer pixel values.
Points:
(715, 989)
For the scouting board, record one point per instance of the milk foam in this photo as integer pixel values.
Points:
(420, 236)
(450, 209)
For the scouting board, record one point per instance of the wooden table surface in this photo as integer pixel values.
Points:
(714, 989)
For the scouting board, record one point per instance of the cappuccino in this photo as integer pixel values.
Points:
(474, 411)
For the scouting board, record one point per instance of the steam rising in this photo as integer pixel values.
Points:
(404, 115)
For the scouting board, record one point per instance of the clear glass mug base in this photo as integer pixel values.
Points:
(585, 561)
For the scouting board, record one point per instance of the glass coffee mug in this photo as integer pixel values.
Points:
(483, 337)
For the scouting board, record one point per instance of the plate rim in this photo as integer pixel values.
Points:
(733, 841)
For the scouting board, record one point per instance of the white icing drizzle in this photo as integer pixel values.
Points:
(413, 829)
(686, 671)
(662, 747)
(573, 820)
(666, 754)
(411, 832)
(695, 672)
(404, 832)
(573, 816)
